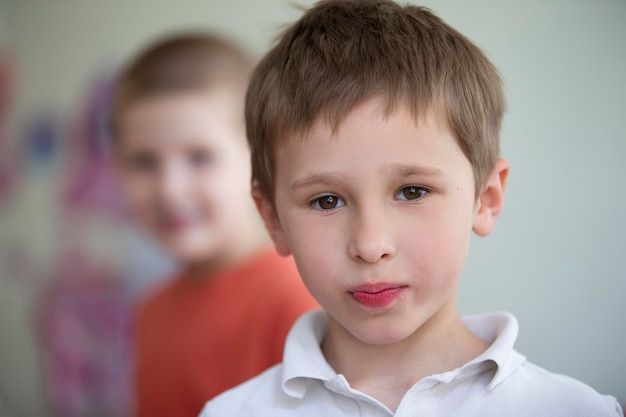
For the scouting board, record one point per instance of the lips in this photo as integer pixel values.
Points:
(377, 295)
(176, 224)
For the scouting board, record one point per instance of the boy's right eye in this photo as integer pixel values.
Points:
(327, 202)
(143, 162)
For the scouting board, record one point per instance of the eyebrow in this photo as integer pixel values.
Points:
(400, 170)
(407, 170)
(313, 179)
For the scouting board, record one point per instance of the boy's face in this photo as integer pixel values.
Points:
(185, 168)
(378, 217)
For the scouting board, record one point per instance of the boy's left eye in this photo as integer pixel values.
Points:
(411, 193)
(199, 157)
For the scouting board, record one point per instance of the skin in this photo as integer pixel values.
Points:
(185, 169)
(384, 202)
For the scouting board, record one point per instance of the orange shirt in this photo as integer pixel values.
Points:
(197, 338)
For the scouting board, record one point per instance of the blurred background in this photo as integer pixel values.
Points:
(72, 264)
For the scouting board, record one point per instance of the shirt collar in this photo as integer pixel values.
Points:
(304, 361)
(303, 358)
(499, 330)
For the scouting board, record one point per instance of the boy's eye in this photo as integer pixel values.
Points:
(411, 193)
(143, 162)
(200, 157)
(327, 202)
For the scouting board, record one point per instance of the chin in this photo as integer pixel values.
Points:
(382, 334)
(192, 253)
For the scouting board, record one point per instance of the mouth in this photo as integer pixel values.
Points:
(176, 224)
(377, 295)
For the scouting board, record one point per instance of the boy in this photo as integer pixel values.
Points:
(183, 160)
(374, 134)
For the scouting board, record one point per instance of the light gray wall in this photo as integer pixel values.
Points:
(556, 258)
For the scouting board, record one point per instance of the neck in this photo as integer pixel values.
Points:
(387, 372)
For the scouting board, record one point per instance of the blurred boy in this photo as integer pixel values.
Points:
(374, 131)
(184, 163)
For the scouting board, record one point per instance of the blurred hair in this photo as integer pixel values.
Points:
(341, 52)
(184, 63)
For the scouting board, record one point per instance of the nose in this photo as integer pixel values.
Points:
(371, 236)
(173, 182)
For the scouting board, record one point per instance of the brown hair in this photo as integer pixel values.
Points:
(341, 52)
(178, 64)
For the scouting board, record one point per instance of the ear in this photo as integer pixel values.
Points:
(491, 199)
(272, 222)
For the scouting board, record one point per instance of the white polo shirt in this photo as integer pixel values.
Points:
(498, 383)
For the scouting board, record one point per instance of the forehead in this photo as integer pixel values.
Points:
(182, 116)
(370, 138)
(332, 116)
(375, 116)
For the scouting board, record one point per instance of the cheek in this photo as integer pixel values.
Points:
(318, 254)
(230, 192)
(139, 193)
(440, 248)
(229, 177)
(443, 255)
(225, 194)
(317, 274)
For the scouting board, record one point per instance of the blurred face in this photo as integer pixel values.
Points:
(185, 167)
(378, 217)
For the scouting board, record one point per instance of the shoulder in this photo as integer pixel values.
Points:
(259, 396)
(275, 268)
(542, 391)
(154, 301)
(521, 388)
(283, 288)
(295, 387)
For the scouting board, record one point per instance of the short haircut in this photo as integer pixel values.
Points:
(342, 52)
(183, 63)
